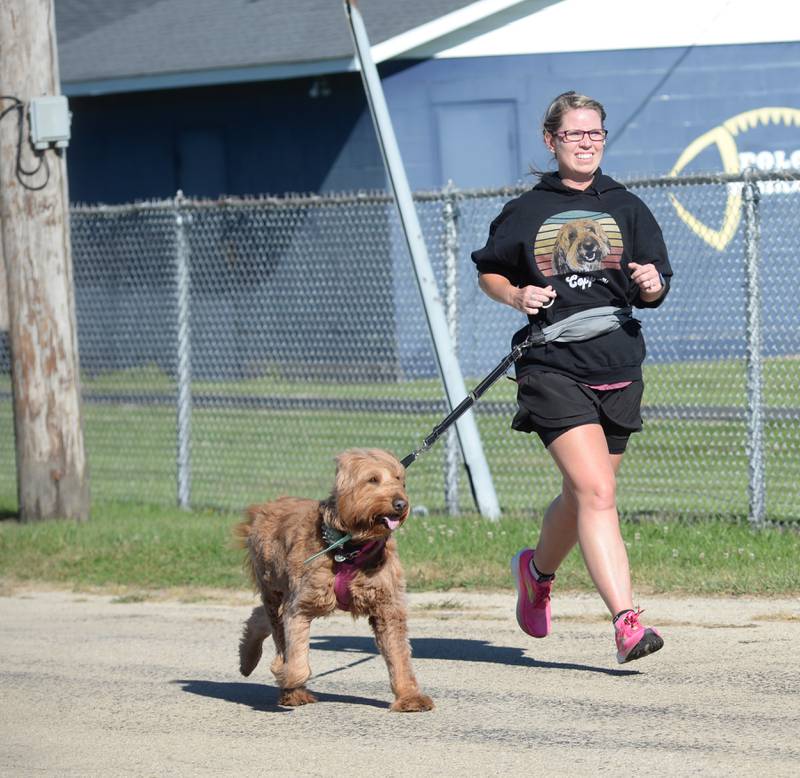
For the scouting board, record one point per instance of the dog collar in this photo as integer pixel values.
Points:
(334, 538)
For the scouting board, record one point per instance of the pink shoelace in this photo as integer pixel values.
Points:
(632, 617)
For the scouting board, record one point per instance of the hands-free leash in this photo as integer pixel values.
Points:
(533, 339)
(580, 326)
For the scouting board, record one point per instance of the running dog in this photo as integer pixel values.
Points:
(363, 576)
(581, 246)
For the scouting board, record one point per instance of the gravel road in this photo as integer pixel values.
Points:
(95, 685)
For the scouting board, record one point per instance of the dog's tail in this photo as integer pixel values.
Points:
(256, 629)
(241, 539)
(241, 531)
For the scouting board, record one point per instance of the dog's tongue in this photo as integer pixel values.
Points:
(392, 524)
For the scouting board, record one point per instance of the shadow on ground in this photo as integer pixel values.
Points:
(262, 697)
(459, 650)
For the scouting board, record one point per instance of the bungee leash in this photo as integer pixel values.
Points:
(580, 326)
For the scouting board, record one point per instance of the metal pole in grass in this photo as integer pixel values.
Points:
(755, 419)
(184, 463)
(450, 215)
(450, 371)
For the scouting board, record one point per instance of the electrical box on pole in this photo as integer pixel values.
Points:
(50, 122)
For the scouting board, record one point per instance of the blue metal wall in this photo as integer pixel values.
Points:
(658, 101)
(473, 120)
(265, 138)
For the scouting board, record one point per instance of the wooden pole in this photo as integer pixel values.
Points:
(3, 292)
(52, 476)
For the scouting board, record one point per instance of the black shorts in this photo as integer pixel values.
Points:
(551, 403)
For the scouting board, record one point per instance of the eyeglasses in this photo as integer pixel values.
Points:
(576, 136)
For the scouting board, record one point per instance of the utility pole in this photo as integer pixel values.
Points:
(3, 290)
(52, 475)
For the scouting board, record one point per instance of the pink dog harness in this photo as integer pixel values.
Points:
(346, 565)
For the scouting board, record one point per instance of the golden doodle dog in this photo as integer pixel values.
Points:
(581, 246)
(363, 576)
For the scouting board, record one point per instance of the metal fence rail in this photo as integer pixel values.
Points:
(230, 349)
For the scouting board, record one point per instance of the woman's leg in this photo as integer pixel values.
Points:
(559, 532)
(585, 512)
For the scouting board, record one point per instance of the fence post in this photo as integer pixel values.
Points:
(450, 214)
(184, 463)
(755, 420)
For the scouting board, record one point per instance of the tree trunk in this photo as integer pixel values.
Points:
(52, 477)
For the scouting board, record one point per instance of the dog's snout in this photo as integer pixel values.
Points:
(400, 504)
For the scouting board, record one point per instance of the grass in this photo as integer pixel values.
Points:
(241, 456)
(678, 467)
(717, 382)
(144, 549)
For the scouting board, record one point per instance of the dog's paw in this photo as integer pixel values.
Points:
(291, 698)
(412, 703)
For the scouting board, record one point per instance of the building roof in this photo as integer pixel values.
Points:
(108, 46)
(123, 45)
(630, 24)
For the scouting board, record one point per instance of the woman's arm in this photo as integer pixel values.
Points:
(527, 299)
(649, 280)
(650, 270)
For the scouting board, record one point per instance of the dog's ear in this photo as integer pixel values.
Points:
(344, 471)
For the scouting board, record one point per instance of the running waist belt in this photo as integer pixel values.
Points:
(580, 326)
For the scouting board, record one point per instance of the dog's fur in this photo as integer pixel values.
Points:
(368, 501)
(581, 246)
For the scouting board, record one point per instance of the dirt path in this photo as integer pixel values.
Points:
(93, 686)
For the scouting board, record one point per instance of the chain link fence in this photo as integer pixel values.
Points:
(230, 349)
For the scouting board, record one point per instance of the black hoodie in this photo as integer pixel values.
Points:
(579, 242)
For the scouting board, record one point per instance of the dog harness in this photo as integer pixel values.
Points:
(347, 561)
(347, 564)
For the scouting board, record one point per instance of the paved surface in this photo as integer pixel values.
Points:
(92, 686)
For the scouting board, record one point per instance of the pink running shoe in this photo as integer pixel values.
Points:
(633, 640)
(533, 597)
